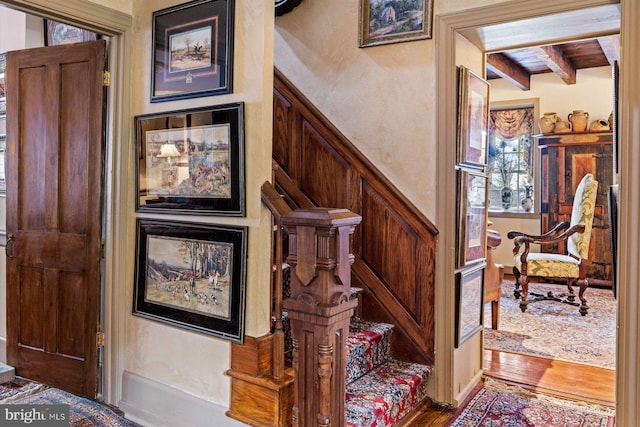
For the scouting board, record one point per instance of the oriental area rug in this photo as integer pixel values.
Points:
(497, 404)
(556, 330)
(82, 412)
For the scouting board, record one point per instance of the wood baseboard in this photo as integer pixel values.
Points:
(257, 398)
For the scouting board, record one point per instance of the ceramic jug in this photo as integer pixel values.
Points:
(579, 120)
(562, 126)
(599, 125)
(547, 122)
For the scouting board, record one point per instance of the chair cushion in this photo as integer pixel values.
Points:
(549, 265)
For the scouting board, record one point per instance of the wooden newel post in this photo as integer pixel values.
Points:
(320, 309)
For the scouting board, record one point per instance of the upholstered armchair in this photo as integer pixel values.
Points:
(569, 266)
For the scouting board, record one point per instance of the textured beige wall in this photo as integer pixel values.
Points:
(188, 361)
(382, 98)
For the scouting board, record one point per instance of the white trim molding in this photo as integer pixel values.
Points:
(165, 406)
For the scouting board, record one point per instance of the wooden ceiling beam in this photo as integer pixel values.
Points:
(509, 70)
(610, 47)
(553, 57)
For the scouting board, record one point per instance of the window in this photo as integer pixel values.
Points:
(511, 160)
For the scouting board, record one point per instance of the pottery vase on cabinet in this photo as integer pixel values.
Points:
(579, 120)
(548, 122)
(599, 125)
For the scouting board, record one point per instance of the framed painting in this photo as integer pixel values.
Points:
(192, 50)
(469, 298)
(191, 276)
(473, 118)
(472, 217)
(56, 33)
(383, 22)
(191, 161)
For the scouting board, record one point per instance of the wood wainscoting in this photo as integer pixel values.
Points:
(394, 246)
(257, 398)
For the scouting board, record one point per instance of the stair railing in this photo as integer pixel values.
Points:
(319, 306)
(279, 209)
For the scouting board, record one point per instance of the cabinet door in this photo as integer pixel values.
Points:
(563, 167)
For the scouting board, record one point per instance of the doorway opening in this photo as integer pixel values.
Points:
(549, 372)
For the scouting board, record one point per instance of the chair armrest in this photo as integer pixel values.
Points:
(557, 229)
(542, 240)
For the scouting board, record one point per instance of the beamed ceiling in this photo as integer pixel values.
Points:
(559, 43)
(518, 65)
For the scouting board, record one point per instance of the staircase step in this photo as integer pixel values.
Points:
(7, 373)
(383, 396)
(367, 347)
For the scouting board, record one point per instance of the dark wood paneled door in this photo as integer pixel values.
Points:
(55, 151)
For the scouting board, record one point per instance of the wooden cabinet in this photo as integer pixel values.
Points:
(564, 160)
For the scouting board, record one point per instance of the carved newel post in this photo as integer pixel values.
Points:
(320, 309)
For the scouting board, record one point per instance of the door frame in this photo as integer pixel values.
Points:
(118, 194)
(449, 385)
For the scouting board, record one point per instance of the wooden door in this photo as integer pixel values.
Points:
(54, 185)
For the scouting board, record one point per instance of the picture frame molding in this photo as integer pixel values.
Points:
(365, 38)
(154, 306)
(473, 119)
(177, 203)
(469, 303)
(199, 78)
(466, 254)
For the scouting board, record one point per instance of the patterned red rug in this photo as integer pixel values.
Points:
(83, 412)
(498, 404)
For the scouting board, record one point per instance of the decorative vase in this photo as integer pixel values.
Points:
(562, 126)
(599, 125)
(527, 202)
(505, 196)
(547, 122)
(579, 120)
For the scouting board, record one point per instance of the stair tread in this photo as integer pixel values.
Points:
(367, 346)
(386, 394)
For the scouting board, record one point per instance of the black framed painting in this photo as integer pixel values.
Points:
(469, 302)
(191, 161)
(191, 276)
(192, 50)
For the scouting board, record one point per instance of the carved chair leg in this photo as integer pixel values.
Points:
(583, 283)
(572, 296)
(523, 280)
(516, 285)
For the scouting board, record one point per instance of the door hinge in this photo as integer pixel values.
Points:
(106, 78)
(100, 339)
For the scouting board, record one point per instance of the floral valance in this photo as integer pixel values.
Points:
(509, 124)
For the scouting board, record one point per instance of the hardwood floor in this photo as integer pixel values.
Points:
(571, 381)
(565, 380)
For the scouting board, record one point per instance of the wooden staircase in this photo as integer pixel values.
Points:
(373, 238)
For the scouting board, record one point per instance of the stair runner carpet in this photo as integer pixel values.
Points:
(380, 389)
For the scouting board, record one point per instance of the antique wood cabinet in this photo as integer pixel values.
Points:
(564, 160)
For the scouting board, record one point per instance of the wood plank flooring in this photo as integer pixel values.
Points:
(565, 380)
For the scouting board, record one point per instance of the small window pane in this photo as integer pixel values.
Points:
(511, 160)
